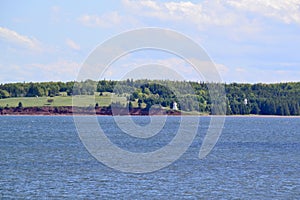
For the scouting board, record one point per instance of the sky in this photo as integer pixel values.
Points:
(249, 41)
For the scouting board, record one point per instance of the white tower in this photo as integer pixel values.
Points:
(175, 106)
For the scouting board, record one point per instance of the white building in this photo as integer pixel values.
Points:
(175, 106)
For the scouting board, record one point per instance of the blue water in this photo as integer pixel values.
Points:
(255, 158)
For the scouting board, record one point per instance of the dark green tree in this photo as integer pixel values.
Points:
(20, 105)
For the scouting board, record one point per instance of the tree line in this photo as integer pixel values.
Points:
(260, 98)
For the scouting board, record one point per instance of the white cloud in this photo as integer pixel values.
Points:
(222, 69)
(72, 44)
(204, 13)
(184, 69)
(289, 64)
(55, 9)
(106, 20)
(150, 4)
(61, 70)
(18, 39)
(258, 75)
(217, 12)
(215, 16)
(287, 11)
(226, 13)
(55, 14)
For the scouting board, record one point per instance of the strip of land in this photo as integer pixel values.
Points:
(140, 96)
(69, 110)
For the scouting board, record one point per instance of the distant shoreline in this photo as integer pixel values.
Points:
(69, 110)
(107, 111)
(266, 116)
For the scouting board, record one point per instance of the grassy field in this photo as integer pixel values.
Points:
(84, 100)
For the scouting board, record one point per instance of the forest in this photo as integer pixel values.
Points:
(241, 98)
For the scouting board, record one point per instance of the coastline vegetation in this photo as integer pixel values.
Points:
(241, 99)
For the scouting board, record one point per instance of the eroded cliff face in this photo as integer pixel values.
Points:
(68, 110)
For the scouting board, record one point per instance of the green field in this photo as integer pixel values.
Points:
(83, 100)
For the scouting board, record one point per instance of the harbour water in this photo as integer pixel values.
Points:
(254, 158)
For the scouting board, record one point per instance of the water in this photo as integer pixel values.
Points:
(255, 158)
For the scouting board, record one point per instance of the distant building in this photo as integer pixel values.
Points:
(175, 106)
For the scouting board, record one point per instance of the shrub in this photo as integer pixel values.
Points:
(20, 105)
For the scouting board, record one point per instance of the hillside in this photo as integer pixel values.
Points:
(264, 99)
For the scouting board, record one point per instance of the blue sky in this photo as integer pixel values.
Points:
(248, 40)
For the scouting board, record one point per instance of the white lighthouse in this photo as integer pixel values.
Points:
(175, 106)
